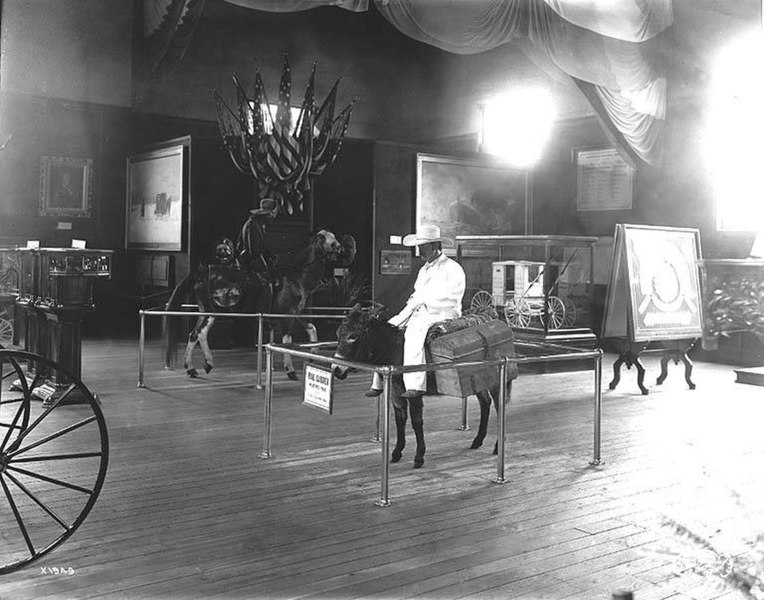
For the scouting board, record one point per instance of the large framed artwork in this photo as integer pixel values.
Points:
(472, 197)
(66, 187)
(604, 180)
(155, 200)
(654, 287)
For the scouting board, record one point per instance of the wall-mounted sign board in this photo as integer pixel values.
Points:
(653, 290)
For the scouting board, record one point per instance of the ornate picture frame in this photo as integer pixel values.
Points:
(66, 187)
(466, 196)
(156, 199)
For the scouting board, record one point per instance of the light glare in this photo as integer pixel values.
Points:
(516, 126)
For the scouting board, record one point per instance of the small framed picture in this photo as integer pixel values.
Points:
(66, 187)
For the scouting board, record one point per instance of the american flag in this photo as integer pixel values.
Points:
(283, 150)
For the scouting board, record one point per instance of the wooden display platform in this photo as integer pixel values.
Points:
(753, 376)
(189, 511)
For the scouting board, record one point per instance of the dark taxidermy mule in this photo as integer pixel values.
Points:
(364, 336)
(227, 289)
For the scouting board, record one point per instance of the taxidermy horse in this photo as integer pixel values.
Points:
(229, 288)
(364, 336)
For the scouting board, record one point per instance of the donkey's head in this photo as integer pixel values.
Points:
(353, 335)
(326, 243)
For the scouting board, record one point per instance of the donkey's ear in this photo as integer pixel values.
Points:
(376, 309)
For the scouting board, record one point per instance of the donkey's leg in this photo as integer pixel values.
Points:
(495, 393)
(193, 338)
(312, 333)
(416, 407)
(400, 408)
(203, 333)
(484, 398)
(288, 364)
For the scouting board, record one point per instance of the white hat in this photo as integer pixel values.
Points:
(426, 234)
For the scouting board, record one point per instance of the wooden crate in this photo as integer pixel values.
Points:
(479, 342)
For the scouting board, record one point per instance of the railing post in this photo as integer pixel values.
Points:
(259, 378)
(266, 453)
(501, 425)
(378, 403)
(597, 407)
(384, 499)
(141, 348)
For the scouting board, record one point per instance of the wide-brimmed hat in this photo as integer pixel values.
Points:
(426, 234)
(268, 207)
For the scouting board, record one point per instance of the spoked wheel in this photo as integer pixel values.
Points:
(6, 329)
(555, 312)
(571, 312)
(53, 456)
(481, 300)
(517, 312)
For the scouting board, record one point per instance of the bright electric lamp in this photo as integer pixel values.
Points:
(735, 130)
(516, 126)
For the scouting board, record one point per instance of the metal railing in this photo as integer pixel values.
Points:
(387, 372)
(261, 317)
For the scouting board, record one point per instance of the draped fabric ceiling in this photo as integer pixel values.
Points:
(613, 50)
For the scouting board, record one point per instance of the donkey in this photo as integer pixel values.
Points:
(363, 336)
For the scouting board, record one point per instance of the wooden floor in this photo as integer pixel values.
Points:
(190, 511)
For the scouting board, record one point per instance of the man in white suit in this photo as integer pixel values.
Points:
(437, 296)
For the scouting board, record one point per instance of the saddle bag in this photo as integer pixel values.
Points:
(479, 342)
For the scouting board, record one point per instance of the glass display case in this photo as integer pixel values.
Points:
(733, 298)
(541, 284)
(66, 276)
(55, 294)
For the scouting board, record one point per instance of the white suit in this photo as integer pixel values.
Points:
(438, 293)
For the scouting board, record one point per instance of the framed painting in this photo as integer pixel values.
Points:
(155, 200)
(604, 180)
(472, 197)
(654, 286)
(66, 187)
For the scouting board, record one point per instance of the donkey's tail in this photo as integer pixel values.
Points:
(172, 327)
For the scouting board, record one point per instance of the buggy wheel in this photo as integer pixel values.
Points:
(517, 313)
(555, 312)
(571, 313)
(54, 452)
(481, 300)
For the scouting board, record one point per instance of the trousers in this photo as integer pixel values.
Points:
(413, 349)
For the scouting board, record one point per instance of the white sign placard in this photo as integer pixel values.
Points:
(605, 180)
(318, 387)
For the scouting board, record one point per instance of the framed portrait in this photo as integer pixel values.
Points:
(471, 197)
(66, 187)
(155, 200)
(604, 180)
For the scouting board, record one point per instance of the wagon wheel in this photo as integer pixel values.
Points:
(53, 456)
(517, 312)
(555, 312)
(571, 313)
(6, 330)
(481, 300)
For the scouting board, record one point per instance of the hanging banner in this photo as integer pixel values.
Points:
(653, 289)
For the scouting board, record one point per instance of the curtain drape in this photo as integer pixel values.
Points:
(615, 46)
(300, 5)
